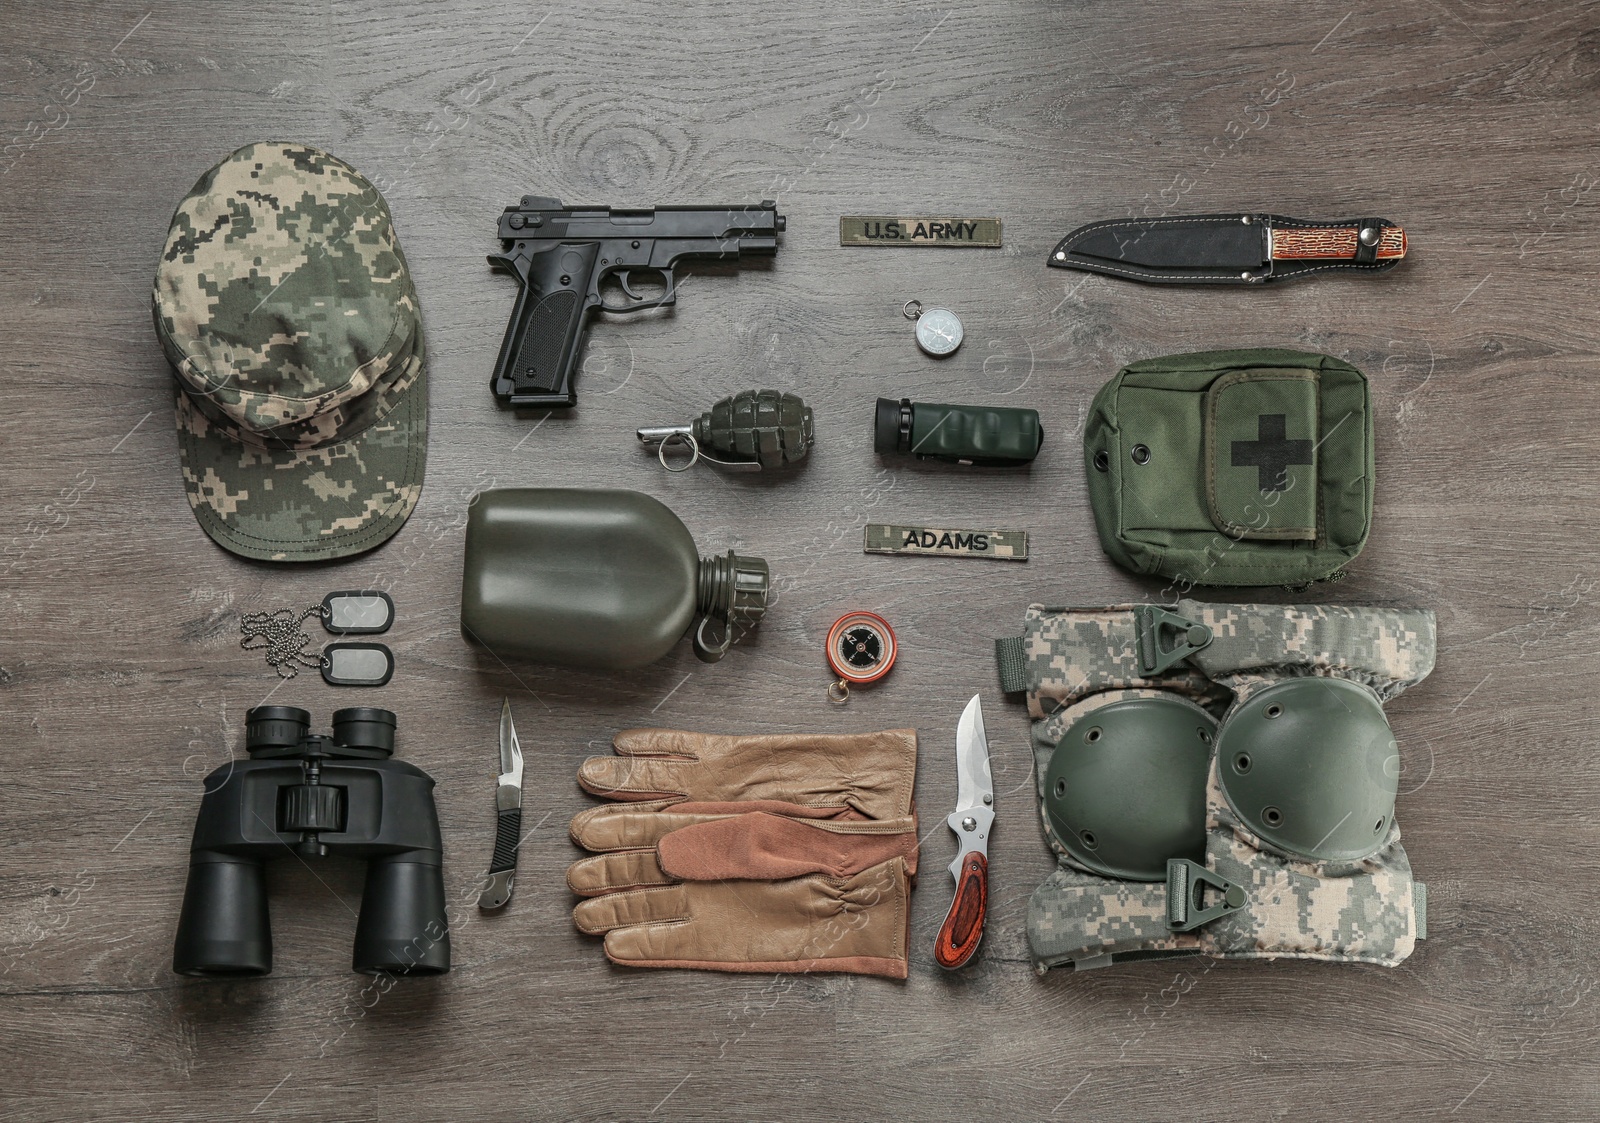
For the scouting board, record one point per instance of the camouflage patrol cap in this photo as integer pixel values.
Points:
(283, 302)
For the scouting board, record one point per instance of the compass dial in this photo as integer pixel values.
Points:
(939, 333)
(861, 647)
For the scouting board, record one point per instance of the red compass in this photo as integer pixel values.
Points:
(861, 649)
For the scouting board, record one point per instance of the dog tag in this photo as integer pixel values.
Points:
(363, 612)
(357, 664)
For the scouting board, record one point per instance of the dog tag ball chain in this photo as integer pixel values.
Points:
(939, 333)
(281, 636)
(861, 649)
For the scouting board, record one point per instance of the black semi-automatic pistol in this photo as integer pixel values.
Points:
(559, 255)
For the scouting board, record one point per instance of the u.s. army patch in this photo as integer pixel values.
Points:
(895, 230)
(1004, 545)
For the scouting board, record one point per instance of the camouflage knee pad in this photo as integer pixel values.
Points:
(1287, 706)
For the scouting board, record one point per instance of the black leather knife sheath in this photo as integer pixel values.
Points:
(1230, 249)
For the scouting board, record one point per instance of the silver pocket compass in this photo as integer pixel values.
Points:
(939, 333)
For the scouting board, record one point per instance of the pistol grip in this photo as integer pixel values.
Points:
(544, 340)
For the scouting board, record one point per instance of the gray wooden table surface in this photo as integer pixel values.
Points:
(122, 682)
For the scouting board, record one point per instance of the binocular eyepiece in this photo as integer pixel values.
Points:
(315, 795)
(285, 730)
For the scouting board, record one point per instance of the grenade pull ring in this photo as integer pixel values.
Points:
(861, 648)
(664, 436)
(744, 432)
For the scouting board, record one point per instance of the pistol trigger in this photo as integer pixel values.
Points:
(622, 279)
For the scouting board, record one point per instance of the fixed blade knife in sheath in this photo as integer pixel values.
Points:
(972, 820)
(508, 817)
(1230, 249)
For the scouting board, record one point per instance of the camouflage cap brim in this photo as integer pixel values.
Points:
(335, 421)
(310, 504)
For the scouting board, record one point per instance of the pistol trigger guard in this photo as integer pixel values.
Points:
(637, 302)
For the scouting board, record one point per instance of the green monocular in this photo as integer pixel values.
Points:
(979, 436)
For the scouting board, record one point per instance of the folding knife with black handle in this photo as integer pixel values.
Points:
(508, 818)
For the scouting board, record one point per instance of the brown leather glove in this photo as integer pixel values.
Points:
(750, 853)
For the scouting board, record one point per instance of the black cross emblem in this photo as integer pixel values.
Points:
(1271, 453)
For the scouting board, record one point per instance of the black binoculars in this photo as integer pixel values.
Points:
(314, 795)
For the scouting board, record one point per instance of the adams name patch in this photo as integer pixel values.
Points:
(1004, 545)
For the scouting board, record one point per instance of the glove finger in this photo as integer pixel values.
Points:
(619, 826)
(871, 772)
(659, 742)
(858, 925)
(711, 808)
(632, 777)
(599, 915)
(637, 825)
(612, 873)
(772, 847)
(723, 926)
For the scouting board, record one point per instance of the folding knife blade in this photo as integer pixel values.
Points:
(510, 759)
(975, 785)
(502, 875)
(972, 820)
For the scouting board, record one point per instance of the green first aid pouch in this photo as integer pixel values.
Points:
(1232, 467)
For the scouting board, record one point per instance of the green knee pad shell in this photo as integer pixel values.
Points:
(1345, 895)
(1332, 804)
(1079, 913)
(1124, 790)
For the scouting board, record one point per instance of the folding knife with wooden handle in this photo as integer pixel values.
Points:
(971, 821)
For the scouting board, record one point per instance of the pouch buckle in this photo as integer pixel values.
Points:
(1187, 883)
(1156, 626)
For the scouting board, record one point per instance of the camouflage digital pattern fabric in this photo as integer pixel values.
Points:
(285, 306)
(1387, 649)
(1075, 916)
(1005, 545)
(1349, 912)
(1074, 652)
(1362, 911)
